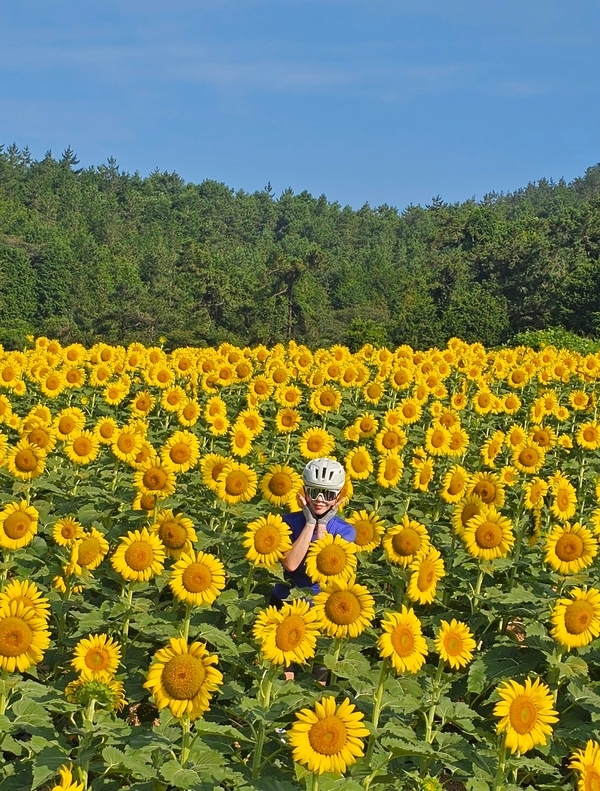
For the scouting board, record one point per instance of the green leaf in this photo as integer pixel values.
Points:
(46, 765)
(214, 636)
(30, 713)
(180, 778)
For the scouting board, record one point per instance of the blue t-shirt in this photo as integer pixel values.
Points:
(299, 578)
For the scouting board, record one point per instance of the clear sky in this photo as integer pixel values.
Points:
(361, 100)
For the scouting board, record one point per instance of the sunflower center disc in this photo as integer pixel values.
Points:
(331, 560)
(578, 617)
(25, 461)
(183, 676)
(523, 715)
(89, 549)
(364, 533)
(426, 575)
(342, 608)
(139, 556)
(290, 633)
(280, 484)
(406, 542)
(126, 443)
(172, 534)
(196, 578)
(97, 659)
(488, 535)
(453, 644)
(236, 483)
(16, 525)
(403, 640)
(15, 636)
(328, 736)
(82, 446)
(266, 539)
(155, 478)
(569, 547)
(180, 453)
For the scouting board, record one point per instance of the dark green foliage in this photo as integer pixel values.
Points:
(95, 253)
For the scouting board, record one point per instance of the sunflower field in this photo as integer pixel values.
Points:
(455, 644)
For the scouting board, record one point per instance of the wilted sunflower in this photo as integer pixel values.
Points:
(488, 535)
(402, 641)
(25, 461)
(570, 548)
(24, 636)
(139, 556)
(82, 447)
(315, 443)
(197, 578)
(427, 569)
(28, 594)
(180, 452)
(344, 608)
(368, 528)
(183, 678)
(328, 738)
(266, 540)
(403, 542)
(576, 621)
(176, 532)
(289, 634)
(96, 655)
(455, 644)
(154, 478)
(237, 483)
(280, 484)
(359, 464)
(587, 764)
(526, 714)
(331, 558)
(18, 525)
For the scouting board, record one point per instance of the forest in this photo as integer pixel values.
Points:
(95, 253)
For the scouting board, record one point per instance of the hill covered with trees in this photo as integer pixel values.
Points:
(96, 253)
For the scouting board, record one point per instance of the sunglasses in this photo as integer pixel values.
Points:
(327, 494)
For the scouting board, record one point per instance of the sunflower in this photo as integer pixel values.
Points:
(288, 396)
(106, 430)
(587, 764)
(144, 502)
(390, 439)
(437, 440)
(454, 484)
(139, 556)
(25, 461)
(488, 535)
(368, 529)
(576, 621)
(87, 552)
(41, 435)
(570, 548)
(344, 608)
(564, 504)
(373, 392)
(176, 532)
(459, 442)
(24, 636)
(252, 420)
(528, 457)
(66, 782)
(402, 641)
(409, 411)
(328, 738)
(68, 421)
(240, 440)
(261, 387)
(526, 714)
(588, 435)
(237, 483)
(424, 472)
(180, 452)
(183, 678)
(211, 466)
(491, 448)
(316, 443)
(197, 578)
(82, 447)
(219, 426)
(153, 478)
(28, 594)
(287, 420)
(289, 634)
(427, 569)
(127, 444)
(280, 484)
(389, 470)
(189, 412)
(173, 398)
(359, 464)
(142, 404)
(18, 525)
(325, 399)
(96, 655)
(403, 542)
(488, 487)
(455, 644)
(103, 689)
(266, 540)
(330, 559)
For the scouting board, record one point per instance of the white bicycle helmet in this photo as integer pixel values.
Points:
(324, 474)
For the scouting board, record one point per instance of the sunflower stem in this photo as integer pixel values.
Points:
(477, 591)
(185, 742)
(264, 699)
(377, 705)
(518, 543)
(128, 602)
(500, 772)
(314, 783)
(186, 622)
(430, 716)
(4, 694)
(337, 646)
(242, 616)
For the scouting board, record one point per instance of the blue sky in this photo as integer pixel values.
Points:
(363, 101)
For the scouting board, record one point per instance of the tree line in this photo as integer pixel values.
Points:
(97, 253)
